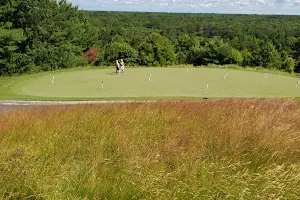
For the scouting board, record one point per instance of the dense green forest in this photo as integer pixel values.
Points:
(43, 35)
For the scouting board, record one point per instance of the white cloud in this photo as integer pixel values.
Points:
(201, 6)
(296, 3)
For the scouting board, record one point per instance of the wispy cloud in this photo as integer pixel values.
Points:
(200, 6)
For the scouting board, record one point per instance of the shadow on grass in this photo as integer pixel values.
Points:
(112, 73)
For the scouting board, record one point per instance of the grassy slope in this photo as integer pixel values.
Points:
(165, 84)
(214, 149)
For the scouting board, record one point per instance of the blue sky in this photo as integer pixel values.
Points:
(287, 7)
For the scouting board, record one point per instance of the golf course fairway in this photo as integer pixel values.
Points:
(153, 82)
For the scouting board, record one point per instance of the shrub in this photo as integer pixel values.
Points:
(91, 54)
(288, 65)
(297, 67)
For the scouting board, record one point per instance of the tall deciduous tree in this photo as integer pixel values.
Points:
(120, 50)
(269, 56)
(10, 38)
(56, 34)
(156, 50)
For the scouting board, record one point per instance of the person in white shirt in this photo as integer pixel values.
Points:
(122, 65)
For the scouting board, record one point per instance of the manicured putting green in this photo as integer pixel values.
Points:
(165, 82)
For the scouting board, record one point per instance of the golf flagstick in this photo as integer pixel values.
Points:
(225, 75)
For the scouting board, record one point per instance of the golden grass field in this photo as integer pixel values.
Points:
(210, 149)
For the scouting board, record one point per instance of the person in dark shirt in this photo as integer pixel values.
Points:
(117, 67)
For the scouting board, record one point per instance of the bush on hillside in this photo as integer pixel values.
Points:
(91, 54)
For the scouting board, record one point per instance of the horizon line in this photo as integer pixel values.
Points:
(173, 12)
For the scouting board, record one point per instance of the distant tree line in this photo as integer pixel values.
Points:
(159, 39)
(44, 35)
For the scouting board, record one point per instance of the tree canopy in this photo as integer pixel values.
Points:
(42, 35)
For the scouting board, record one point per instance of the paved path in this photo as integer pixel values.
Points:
(26, 103)
(15, 104)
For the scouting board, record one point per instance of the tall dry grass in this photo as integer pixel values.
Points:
(216, 149)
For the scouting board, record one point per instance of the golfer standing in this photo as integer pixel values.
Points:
(117, 67)
(122, 65)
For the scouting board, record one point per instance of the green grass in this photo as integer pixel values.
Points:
(166, 83)
(213, 149)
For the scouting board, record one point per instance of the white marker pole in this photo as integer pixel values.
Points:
(207, 85)
(149, 77)
(102, 84)
(53, 80)
(225, 75)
